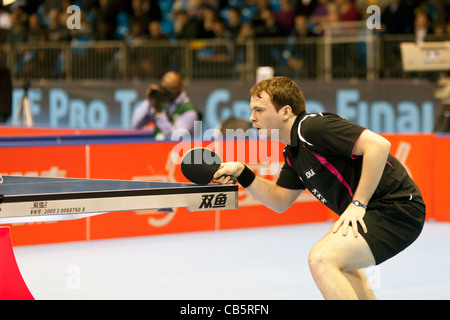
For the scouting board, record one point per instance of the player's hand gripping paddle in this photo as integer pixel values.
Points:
(199, 165)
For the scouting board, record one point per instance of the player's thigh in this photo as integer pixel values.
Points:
(346, 252)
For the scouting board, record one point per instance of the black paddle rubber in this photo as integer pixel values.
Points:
(199, 165)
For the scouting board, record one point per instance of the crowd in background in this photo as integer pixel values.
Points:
(140, 20)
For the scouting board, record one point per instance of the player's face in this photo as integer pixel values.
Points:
(265, 119)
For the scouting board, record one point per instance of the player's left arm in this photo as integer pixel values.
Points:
(374, 149)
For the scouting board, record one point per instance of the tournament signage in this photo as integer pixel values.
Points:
(390, 106)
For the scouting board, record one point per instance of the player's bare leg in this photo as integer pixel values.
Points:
(361, 284)
(333, 262)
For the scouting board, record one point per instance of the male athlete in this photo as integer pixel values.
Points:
(349, 169)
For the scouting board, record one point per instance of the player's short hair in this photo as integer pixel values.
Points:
(283, 91)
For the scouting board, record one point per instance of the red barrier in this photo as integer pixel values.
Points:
(158, 162)
(12, 285)
(424, 155)
(441, 176)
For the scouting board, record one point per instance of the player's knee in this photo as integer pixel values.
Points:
(319, 260)
(315, 259)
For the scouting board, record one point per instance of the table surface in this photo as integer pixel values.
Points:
(36, 197)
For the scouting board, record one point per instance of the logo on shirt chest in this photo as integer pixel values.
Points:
(309, 173)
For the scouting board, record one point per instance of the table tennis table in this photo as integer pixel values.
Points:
(36, 199)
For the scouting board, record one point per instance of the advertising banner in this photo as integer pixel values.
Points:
(155, 161)
(441, 173)
(388, 106)
(424, 155)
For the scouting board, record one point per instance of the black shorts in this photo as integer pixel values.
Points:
(392, 225)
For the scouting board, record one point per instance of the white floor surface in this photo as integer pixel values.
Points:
(256, 264)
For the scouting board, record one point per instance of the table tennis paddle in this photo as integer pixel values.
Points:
(199, 165)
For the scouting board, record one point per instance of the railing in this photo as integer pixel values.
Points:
(345, 50)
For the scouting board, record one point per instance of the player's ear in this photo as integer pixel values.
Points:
(285, 111)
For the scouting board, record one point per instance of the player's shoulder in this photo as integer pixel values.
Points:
(315, 121)
(312, 125)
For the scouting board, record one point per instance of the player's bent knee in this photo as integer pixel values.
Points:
(319, 260)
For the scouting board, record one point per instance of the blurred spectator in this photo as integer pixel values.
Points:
(179, 5)
(34, 63)
(347, 10)
(301, 29)
(154, 60)
(220, 31)
(138, 16)
(325, 12)
(36, 31)
(106, 21)
(447, 29)
(152, 9)
(105, 30)
(144, 11)
(147, 61)
(333, 13)
(86, 31)
(135, 37)
(87, 5)
(155, 32)
(257, 19)
(205, 30)
(300, 56)
(443, 30)
(51, 4)
(18, 31)
(198, 19)
(221, 53)
(56, 31)
(215, 59)
(64, 15)
(234, 21)
(286, 16)
(271, 27)
(440, 16)
(305, 7)
(435, 12)
(123, 24)
(136, 33)
(269, 54)
(421, 25)
(397, 18)
(5, 19)
(196, 8)
(320, 12)
(185, 27)
(246, 32)
(5, 23)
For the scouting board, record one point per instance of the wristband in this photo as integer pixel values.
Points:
(359, 204)
(246, 177)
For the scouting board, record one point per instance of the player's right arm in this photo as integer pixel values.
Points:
(267, 192)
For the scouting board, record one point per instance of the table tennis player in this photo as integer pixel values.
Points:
(346, 167)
